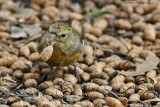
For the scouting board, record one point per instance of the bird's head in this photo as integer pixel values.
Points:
(59, 33)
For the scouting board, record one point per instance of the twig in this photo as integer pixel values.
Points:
(29, 39)
(151, 100)
(115, 95)
(18, 87)
(99, 12)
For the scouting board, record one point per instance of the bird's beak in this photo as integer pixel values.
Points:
(53, 43)
(51, 40)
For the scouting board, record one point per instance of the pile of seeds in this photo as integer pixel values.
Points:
(121, 59)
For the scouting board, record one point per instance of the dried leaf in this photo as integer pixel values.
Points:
(17, 32)
(32, 30)
(131, 73)
(150, 63)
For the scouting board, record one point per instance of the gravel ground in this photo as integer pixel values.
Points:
(120, 66)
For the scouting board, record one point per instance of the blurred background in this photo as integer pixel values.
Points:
(120, 67)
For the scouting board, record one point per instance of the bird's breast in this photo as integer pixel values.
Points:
(59, 58)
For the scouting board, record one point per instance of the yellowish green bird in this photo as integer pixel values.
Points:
(66, 42)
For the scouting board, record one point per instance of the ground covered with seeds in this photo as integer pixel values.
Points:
(121, 61)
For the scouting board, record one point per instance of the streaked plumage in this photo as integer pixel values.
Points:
(67, 46)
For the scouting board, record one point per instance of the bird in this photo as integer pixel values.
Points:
(67, 44)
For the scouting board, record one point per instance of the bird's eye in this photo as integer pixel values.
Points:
(63, 35)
